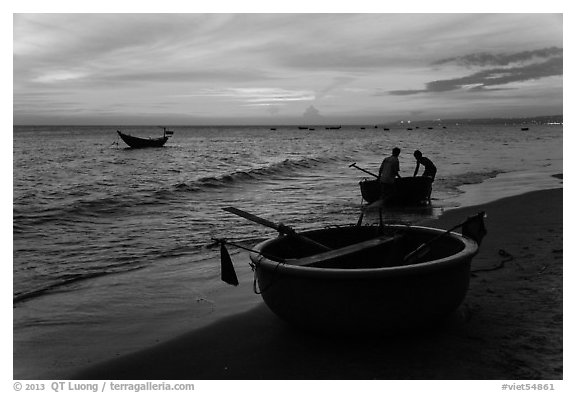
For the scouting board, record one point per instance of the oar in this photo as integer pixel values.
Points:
(228, 273)
(363, 170)
(284, 229)
(473, 227)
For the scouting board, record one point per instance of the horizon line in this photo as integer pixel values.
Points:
(263, 124)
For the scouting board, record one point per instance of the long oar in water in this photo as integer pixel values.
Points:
(473, 228)
(353, 165)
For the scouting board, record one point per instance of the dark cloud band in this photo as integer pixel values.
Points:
(500, 76)
(488, 59)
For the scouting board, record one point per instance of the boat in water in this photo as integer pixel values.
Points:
(139, 143)
(407, 190)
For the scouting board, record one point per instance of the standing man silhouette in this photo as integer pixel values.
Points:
(389, 171)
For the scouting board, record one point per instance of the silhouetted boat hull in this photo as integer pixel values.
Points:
(139, 143)
(408, 190)
(367, 289)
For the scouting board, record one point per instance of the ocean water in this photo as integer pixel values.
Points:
(111, 245)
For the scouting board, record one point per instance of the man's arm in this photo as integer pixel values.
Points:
(417, 168)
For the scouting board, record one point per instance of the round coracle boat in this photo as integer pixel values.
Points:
(369, 279)
(406, 191)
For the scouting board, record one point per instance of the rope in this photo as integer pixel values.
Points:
(502, 253)
(275, 278)
(268, 256)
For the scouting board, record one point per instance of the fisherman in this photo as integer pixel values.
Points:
(389, 171)
(429, 167)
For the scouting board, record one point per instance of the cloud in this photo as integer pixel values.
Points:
(182, 76)
(312, 114)
(336, 82)
(58, 77)
(488, 59)
(227, 65)
(259, 94)
(482, 80)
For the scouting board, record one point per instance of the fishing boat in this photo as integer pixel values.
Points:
(361, 278)
(139, 143)
(407, 190)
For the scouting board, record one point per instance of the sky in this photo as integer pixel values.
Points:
(278, 68)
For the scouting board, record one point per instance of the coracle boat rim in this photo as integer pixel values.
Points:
(470, 249)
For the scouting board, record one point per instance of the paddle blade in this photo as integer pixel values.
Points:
(474, 228)
(228, 274)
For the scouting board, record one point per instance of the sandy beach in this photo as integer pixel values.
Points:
(509, 326)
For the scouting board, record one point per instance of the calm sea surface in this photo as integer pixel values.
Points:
(109, 241)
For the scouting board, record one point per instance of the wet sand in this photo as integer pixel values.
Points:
(508, 327)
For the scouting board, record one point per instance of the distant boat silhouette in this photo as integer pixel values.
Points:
(525, 128)
(139, 143)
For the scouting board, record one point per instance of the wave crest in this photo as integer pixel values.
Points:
(272, 171)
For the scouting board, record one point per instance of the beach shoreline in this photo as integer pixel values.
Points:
(509, 326)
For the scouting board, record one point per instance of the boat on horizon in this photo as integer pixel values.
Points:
(140, 143)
